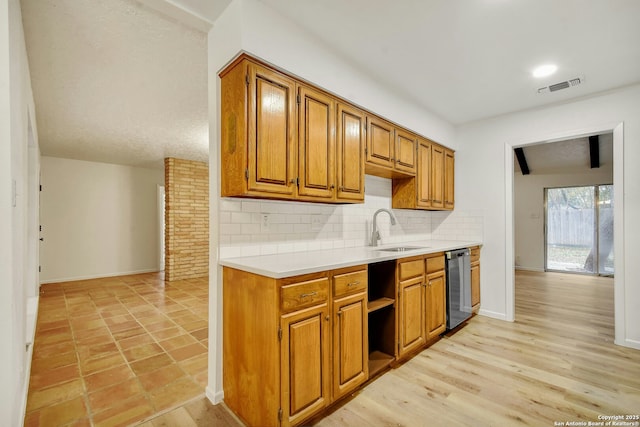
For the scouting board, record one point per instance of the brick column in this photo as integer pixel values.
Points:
(186, 219)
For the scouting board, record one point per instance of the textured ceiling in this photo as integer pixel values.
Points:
(116, 82)
(570, 156)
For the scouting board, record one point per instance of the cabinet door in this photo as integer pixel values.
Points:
(316, 144)
(411, 321)
(437, 176)
(305, 363)
(475, 286)
(449, 174)
(436, 304)
(271, 139)
(350, 153)
(405, 151)
(423, 174)
(380, 142)
(350, 344)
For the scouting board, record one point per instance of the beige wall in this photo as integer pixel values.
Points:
(186, 219)
(98, 219)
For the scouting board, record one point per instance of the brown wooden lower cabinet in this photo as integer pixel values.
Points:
(294, 346)
(436, 297)
(305, 353)
(475, 279)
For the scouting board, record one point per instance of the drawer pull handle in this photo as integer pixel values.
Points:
(357, 282)
(310, 294)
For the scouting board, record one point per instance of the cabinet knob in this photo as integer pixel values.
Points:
(332, 187)
(327, 318)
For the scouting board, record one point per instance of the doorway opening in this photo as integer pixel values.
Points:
(617, 130)
(161, 227)
(579, 229)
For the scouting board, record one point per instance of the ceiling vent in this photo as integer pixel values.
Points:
(561, 85)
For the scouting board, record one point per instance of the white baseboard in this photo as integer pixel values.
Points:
(539, 270)
(492, 314)
(630, 343)
(214, 397)
(98, 276)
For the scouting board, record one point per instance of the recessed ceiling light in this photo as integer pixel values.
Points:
(544, 70)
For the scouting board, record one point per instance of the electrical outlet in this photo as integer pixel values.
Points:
(264, 221)
(316, 223)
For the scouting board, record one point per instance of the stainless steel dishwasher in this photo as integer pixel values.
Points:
(458, 287)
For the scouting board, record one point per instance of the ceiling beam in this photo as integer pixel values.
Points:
(522, 160)
(594, 151)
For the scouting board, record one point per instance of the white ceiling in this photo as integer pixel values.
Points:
(471, 59)
(124, 81)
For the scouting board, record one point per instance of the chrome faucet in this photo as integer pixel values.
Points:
(375, 234)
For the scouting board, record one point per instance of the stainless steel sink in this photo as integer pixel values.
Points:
(402, 248)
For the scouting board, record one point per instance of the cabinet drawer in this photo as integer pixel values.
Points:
(349, 282)
(304, 294)
(410, 269)
(435, 264)
(475, 254)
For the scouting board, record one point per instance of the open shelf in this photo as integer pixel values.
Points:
(379, 303)
(382, 315)
(378, 361)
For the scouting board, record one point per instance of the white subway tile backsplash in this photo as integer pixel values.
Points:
(251, 206)
(289, 226)
(240, 218)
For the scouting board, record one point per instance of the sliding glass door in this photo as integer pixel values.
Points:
(605, 230)
(579, 229)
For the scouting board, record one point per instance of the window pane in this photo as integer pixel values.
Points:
(605, 224)
(570, 229)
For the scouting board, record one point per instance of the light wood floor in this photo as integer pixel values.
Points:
(557, 362)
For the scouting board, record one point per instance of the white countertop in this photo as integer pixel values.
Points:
(279, 266)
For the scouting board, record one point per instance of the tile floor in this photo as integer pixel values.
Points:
(118, 350)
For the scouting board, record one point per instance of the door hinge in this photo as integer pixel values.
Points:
(365, 151)
(298, 98)
(280, 415)
(246, 174)
(246, 79)
(39, 269)
(40, 187)
(40, 228)
(279, 334)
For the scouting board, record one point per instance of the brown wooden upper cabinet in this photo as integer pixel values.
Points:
(316, 144)
(449, 173)
(350, 138)
(433, 186)
(405, 146)
(391, 152)
(279, 138)
(283, 138)
(258, 127)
